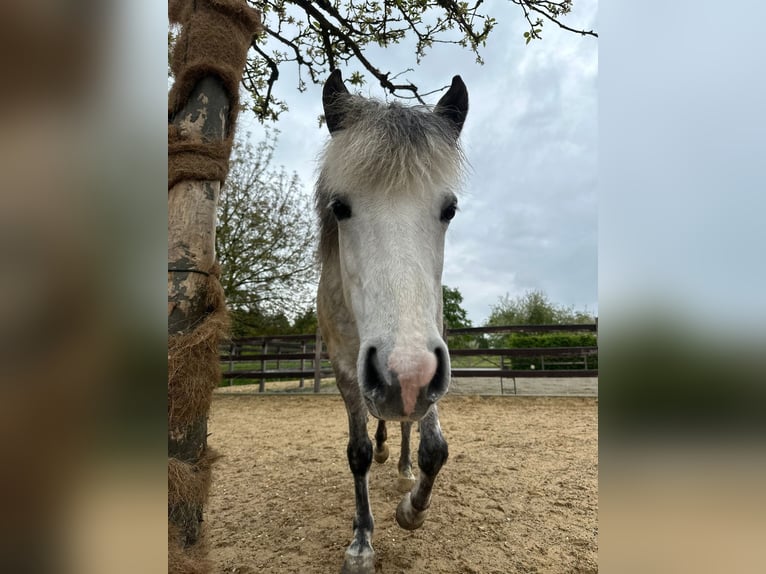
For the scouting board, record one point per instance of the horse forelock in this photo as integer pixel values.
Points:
(390, 148)
(386, 149)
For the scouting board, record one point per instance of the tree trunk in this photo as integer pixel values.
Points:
(207, 63)
(192, 208)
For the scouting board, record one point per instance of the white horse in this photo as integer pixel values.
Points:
(385, 197)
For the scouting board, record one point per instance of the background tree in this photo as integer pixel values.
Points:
(306, 322)
(454, 314)
(535, 308)
(455, 317)
(265, 240)
(319, 36)
(256, 323)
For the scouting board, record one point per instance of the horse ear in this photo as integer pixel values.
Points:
(333, 94)
(454, 104)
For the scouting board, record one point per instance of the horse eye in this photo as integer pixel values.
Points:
(449, 212)
(341, 209)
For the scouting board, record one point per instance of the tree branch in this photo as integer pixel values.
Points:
(560, 25)
(318, 36)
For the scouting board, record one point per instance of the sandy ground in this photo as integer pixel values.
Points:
(517, 495)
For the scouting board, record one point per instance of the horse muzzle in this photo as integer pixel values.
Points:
(405, 383)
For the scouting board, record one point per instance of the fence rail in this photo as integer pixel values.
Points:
(302, 357)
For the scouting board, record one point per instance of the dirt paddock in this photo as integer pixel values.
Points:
(517, 495)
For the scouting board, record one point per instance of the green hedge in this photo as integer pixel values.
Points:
(543, 340)
(527, 340)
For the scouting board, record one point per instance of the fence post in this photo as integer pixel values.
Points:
(262, 384)
(303, 364)
(318, 362)
(232, 350)
(502, 368)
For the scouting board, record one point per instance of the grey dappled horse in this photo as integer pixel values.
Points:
(385, 197)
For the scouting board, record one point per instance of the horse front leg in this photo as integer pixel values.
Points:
(406, 479)
(380, 451)
(432, 454)
(360, 557)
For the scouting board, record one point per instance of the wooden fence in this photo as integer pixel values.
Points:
(303, 357)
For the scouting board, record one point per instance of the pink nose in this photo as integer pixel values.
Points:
(414, 369)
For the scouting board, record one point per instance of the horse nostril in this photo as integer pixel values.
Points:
(372, 381)
(440, 381)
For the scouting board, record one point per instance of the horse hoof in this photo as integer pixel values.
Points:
(363, 563)
(406, 515)
(381, 455)
(405, 482)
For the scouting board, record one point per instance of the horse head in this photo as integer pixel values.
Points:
(385, 195)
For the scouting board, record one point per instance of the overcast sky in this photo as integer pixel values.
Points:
(528, 214)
